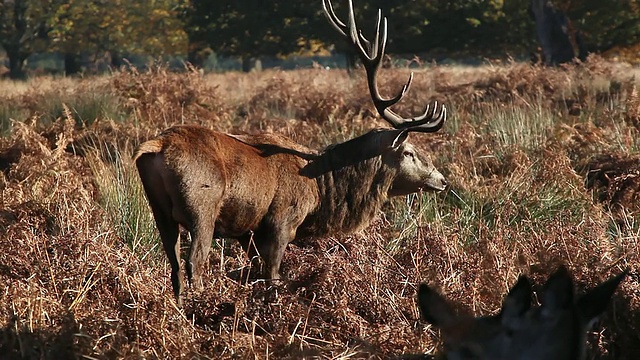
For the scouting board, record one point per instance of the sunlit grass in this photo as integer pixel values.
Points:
(122, 197)
(513, 152)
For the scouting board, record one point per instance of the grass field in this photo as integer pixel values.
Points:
(543, 166)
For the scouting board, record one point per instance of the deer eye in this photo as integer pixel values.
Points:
(408, 154)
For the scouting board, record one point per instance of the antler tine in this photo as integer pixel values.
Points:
(342, 28)
(371, 60)
(427, 122)
(333, 19)
(377, 48)
(371, 55)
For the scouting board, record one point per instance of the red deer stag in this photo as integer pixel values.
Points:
(556, 329)
(266, 191)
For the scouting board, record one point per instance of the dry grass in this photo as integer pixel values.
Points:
(543, 165)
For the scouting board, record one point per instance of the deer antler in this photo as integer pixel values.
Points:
(371, 54)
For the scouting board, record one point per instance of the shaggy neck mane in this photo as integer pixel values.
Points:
(353, 183)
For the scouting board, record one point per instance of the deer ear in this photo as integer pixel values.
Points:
(593, 303)
(557, 293)
(434, 308)
(518, 301)
(400, 138)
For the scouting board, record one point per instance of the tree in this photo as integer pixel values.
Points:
(554, 33)
(604, 24)
(23, 29)
(251, 28)
(471, 26)
(118, 27)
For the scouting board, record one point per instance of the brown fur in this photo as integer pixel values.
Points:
(268, 189)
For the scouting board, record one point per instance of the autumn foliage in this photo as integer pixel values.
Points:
(543, 167)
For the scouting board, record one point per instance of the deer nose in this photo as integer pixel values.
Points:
(444, 183)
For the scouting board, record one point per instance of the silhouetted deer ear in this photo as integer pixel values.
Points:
(517, 302)
(557, 293)
(434, 308)
(400, 138)
(592, 304)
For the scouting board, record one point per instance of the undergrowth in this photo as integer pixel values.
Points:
(542, 166)
(122, 197)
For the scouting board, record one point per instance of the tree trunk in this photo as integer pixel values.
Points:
(352, 61)
(71, 64)
(552, 28)
(195, 58)
(198, 53)
(16, 62)
(251, 64)
(116, 59)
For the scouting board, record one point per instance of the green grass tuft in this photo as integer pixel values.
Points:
(123, 199)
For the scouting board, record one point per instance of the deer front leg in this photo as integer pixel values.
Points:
(272, 249)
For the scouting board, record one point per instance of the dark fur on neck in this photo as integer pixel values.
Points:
(344, 207)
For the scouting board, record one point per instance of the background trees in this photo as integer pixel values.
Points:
(23, 26)
(605, 25)
(115, 27)
(253, 28)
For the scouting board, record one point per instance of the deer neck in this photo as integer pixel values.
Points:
(351, 192)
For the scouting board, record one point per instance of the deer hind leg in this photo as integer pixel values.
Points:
(169, 234)
(161, 205)
(201, 238)
(202, 193)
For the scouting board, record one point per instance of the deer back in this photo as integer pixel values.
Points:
(244, 180)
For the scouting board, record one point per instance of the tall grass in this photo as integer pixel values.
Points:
(86, 106)
(518, 154)
(123, 199)
(525, 127)
(88, 102)
(407, 215)
(9, 112)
